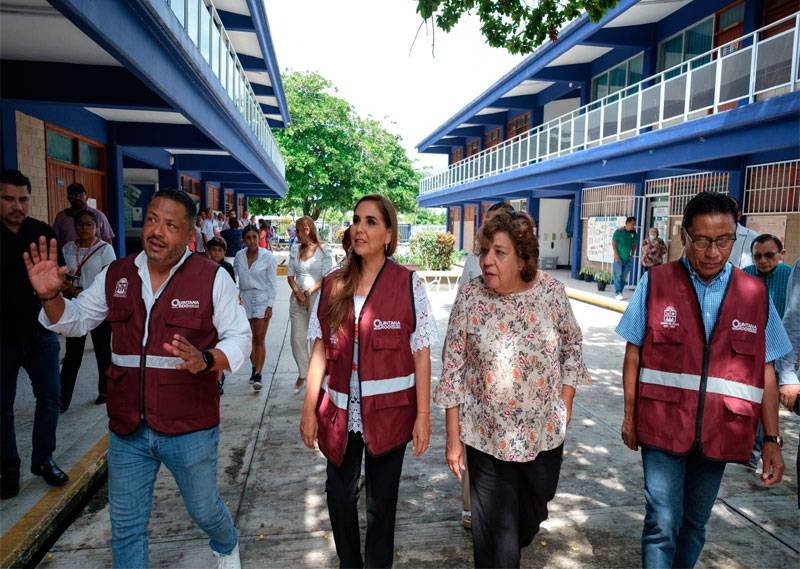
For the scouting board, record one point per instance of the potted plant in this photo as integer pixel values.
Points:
(602, 278)
(583, 273)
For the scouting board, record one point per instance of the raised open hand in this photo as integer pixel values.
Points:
(45, 275)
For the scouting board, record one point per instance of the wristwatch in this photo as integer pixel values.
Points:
(778, 440)
(208, 357)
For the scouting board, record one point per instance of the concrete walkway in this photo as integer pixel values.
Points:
(275, 486)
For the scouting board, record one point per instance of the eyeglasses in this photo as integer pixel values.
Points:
(702, 243)
(85, 224)
(71, 195)
(768, 256)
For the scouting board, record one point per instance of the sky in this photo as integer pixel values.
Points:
(362, 47)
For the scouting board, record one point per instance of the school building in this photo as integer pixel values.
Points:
(634, 115)
(129, 96)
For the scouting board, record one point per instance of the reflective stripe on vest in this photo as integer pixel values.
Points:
(691, 382)
(371, 388)
(157, 362)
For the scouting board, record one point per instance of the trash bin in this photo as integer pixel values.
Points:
(548, 263)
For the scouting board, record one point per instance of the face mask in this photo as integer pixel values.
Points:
(653, 236)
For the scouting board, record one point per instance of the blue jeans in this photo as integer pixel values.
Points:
(680, 492)
(133, 462)
(621, 270)
(39, 357)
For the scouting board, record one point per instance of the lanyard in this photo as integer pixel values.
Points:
(80, 262)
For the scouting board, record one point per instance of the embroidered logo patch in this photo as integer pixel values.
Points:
(121, 289)
(378, 324)
(740, 326)
(670, 318)
(185, 303)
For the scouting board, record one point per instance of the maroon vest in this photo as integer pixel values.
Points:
(385, 367)
(143, 384)
(692, 392)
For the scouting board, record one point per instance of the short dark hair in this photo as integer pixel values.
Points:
(217, 242)
(76, 188)
(183, 199)
(629, 219)
(708, 203)
(15, 178)
(763, 238)
(87, 212)
(507, 207)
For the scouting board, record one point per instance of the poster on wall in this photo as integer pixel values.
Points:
(599, 245)
(771, 224)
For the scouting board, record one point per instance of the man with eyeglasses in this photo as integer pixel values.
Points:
(698, 374)
(64, 225)
(768, 265)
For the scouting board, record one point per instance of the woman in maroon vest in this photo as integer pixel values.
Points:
(372, 328)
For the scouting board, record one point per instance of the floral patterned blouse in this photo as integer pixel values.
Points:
(506, 359)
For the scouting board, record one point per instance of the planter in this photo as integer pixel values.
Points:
(579, 277)
(601, 286)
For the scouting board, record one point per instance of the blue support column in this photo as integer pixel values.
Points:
(204, 193)
(8, 128)
(461, 228)
(115, 192)
(641, 222)
(478, 217)
(577, 234)
(736, 189)
(447, 220)
(169, 179)
(752, 16)
(533, 210)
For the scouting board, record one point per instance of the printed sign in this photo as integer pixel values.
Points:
(599, 242)
(772, 224)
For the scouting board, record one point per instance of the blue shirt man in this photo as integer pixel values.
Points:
(680, 490)
(767, 253)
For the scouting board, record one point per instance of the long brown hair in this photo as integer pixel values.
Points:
(312, 232)
(346, 279)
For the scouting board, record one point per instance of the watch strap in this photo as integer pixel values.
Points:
(208, 357)
(773, 439)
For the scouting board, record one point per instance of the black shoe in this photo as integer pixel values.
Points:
(51, 473)
(253, 376)
(63, 408)
(101, 399)
(220, 389)
(9, 487)
(257, 382)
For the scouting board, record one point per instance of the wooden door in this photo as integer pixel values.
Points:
(59, 177)
(95, 184)
(213, 197)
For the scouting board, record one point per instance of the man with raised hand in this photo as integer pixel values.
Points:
(698, 374)
(176, 323)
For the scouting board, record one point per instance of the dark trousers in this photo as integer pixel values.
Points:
(101, 340)
(39, 357)
(382, 479)
(509, 501)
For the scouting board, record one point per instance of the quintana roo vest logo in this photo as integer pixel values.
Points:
(670, 318)
(121, 290)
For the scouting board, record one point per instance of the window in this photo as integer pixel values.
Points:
(473, 147)
(519, 125)
(60, 147)
(492, 138)
(91, 156)
(73, 149)
(456, 155)
(690, 43)
(617, 78)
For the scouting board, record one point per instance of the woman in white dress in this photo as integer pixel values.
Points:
(86, 258)
(309, 261)
(256, 271)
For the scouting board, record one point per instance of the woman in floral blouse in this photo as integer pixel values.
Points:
(512, 361)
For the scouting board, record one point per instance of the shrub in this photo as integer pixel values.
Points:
(432, 249)
(603, 277)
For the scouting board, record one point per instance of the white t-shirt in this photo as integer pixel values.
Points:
(208, 228)
(102, 256)
(309, 272)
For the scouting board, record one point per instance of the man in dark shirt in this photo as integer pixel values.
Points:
(232, 236)
(23, 341)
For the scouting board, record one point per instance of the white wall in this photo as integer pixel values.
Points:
(555, 109)
(553, 240)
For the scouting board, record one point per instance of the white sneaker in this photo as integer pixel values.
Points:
(619, 297)
(229, 561)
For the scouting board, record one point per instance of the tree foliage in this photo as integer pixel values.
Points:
(334, 156)
(519, 26)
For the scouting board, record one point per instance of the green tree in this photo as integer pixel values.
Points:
(519, 26)
(333, 156)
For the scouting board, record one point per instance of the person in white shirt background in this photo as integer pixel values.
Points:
(741, 254)
(256, 271)
(309, 261)
(86, 257)
(207, 229)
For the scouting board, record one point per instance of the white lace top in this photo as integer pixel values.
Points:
(423, 337)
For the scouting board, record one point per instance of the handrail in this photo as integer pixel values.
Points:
(234, 82)
(683, 92)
